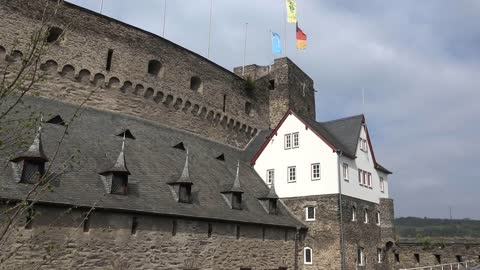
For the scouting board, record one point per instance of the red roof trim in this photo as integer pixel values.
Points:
(275, 131)
(369, 142)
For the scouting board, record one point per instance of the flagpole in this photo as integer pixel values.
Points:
(245, 49)
(209, 29)
(164, 17)
(101, 6)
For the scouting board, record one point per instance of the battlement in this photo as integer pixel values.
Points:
(139, 73)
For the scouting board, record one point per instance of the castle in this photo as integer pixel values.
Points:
(177, 163)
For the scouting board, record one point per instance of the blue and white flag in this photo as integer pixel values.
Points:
(276, 43)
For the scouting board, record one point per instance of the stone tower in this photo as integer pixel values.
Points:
(287, 85)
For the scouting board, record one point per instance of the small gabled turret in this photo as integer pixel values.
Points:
(182, 187)
(270, 200)
(31, 163)
(234, 194)
(116, 178)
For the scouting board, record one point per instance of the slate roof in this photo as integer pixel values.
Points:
(152, 162)
(342, 134)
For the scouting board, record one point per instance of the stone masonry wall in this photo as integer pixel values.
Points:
(57, 240)
(412, 255)
(220, 108)
(323, 235)
(288, 87)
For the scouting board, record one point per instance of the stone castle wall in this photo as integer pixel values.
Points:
(57, 239)
(219, 107)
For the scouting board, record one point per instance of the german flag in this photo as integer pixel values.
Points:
(301, 39)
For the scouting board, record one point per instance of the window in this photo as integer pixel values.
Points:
(438, 258)
(360, 257)
(369, 180)
(237, 201)
(271, 84)
(224, 103)
(316, 171)
(310, 213)
(134, 225)
(119, 184)
(459, 258)
(417, 257)
(54, 34)
(154, 67)
(292, 174)
(345, 171)
(210, 229)
(354, 213)
(382, 185)
(307, 256)
(397, 257)
(363, 145)
(377, 218)
(295, 140)
(272, 206)
(185, 193)
(379, 255)
(108, 67)
(196, 84)
(364, 178)
(288, 141)
(270, 176)
(248, 108)
(365, 215)
(32, 171)
(360, 176)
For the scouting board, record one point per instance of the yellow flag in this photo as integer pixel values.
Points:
(291, 11)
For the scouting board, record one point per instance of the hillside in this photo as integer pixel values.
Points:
(408, 227)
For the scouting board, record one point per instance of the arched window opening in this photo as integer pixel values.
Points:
(249, 109)
(54, 34)
(354, 213)
(365, 214)
(154, 67)
(196, 84)
(307, 256)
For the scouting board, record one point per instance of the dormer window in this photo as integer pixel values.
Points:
(33, 170)
(233, 195)
(185, 193)
(119, 184)
(272, 207)
(363, 145)
(237, 201)
(182, 187)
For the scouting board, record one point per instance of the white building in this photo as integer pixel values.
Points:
(305, 158)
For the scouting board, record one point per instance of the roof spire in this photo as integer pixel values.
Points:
(236, 183)
(35, 151)
(121, 164)
(272, 194)
(185, 177)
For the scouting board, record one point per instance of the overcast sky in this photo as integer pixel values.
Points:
(418, 61)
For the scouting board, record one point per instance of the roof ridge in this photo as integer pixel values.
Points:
(342, 119)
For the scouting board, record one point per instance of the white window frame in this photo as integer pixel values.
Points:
(379, 255)
(364, 178)
(361, 256)
(305, 255)
(369, 180)
(289, 174)
(288, 141)
(354, 213)
(345, 172)
(365, 216)
(295, 140)
(272, 178)
(360, 174)
(382, 185)
(377, 217)
(363, 145)
(313, 171)
(314, 213)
